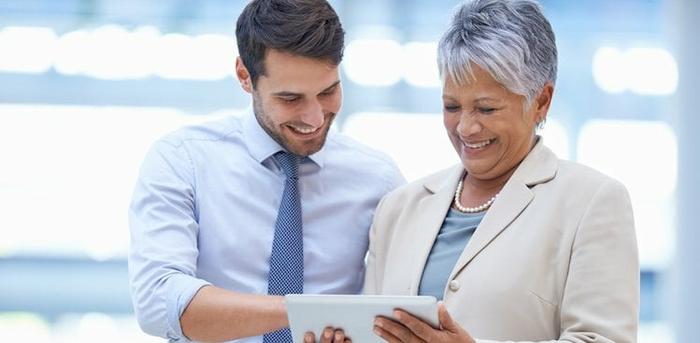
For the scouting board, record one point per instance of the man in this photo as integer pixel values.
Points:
(229, 216)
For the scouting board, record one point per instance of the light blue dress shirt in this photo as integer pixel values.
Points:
(455, 233)
(204, 209)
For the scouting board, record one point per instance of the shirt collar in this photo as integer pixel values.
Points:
(261, 146)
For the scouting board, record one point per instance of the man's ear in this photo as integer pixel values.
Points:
(243, 76)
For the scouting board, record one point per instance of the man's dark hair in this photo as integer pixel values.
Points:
(308, 28)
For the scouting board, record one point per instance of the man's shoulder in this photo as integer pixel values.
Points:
(352, 150)
(211, 130)
(356, 162)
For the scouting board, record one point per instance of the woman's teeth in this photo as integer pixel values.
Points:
(479, 145)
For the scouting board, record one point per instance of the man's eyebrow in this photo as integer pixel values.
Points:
(331, 86)
(290, 94)
(286, 93)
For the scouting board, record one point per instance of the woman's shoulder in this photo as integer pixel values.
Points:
(427, 184)
(574, 172)
(585, 182)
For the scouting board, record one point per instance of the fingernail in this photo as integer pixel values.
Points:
(397, 314)
(338, 336)
(376, 331)
(378, 323)
(327, 334)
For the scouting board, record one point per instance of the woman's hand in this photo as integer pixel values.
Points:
(410, 329)
(329, 335)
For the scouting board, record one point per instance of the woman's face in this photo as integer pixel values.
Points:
(488, 125)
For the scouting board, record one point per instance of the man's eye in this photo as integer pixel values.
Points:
(290, 100)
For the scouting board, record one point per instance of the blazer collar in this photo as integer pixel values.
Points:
(539, 166)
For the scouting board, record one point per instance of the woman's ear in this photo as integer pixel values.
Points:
(543, 101)
(243, 76)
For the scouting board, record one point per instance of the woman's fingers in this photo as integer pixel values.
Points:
(397, 330)
(386, 335)
(419, 328)
(446, 321)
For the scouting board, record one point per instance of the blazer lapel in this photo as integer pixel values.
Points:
(433, 209)
(495, 221)
(539, 166)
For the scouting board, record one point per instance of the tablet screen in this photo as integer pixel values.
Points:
(353, 313)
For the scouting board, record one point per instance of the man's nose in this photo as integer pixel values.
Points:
(312, 114)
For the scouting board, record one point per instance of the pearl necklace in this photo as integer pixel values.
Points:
(476, 209)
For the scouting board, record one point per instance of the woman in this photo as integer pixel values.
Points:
(519, 245)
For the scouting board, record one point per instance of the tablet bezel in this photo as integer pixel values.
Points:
(353, 313)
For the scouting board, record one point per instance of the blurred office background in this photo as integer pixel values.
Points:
(87, 85)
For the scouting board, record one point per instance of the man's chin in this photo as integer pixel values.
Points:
(304, 151)
(305, 148)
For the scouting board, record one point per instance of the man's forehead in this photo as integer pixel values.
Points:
(297, 74)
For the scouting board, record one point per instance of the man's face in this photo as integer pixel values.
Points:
(296, 100)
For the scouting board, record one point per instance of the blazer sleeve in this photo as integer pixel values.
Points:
(375, 256)
(601, 296)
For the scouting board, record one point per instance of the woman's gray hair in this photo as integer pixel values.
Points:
(510, 39)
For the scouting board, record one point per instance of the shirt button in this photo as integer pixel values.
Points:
(454, 285)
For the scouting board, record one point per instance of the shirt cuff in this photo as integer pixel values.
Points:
(182, 290)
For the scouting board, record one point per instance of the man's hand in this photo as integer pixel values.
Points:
(329, 335)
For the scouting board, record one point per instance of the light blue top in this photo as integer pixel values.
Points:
(204, 210)
(453, 237)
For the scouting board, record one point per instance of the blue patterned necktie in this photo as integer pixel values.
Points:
(287, 258)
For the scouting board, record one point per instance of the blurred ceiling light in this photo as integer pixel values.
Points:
(217, 54)
(71, 52)
(645, 71)
(373, 62)
(608, 70)
(26, 49)
(115, 54)
(556, 138)
(653, 71)
(174, 57)
(420, 64)
(205, 57)
(109, 52)
(600, 145)
(112, 52)
(415, 157)
(643, 155)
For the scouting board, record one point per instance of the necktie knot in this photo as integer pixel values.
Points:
(289, 163)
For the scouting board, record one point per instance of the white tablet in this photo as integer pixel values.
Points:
(353, 313)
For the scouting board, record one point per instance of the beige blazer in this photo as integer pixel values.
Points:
(554, 258)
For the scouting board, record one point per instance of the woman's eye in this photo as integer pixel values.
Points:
(452, 108)
(486, 110)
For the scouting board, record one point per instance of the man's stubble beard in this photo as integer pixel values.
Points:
(269, 127)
